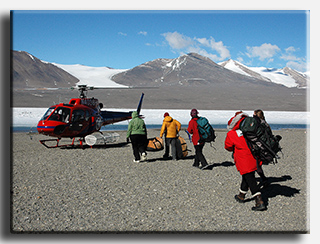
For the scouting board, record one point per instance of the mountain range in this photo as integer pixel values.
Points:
(194, 70)
(191, 80)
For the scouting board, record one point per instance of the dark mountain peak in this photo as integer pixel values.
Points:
(200, 58)
(27, 71)
(195, 55)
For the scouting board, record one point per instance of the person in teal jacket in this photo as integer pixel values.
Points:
(137, 132)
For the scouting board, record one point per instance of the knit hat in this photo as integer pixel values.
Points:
(233, 123)
(166, 114)
(194, 113)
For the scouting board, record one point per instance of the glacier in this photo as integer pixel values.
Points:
(93, 76)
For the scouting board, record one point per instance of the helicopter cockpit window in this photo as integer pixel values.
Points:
(61, 114)
(77, 115)
(47, 114)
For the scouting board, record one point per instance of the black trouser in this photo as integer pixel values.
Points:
(249, 181)
(139, 145)
(199, 157)
(172, 142)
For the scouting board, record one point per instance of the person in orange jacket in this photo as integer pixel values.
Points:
(245, 163)
(170, 127)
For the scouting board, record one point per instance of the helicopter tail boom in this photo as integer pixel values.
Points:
(140, 103)
(111, 117)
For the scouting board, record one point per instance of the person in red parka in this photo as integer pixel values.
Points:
(193, 129)
(245, 163)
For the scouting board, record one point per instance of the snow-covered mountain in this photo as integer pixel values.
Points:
(190, 70)
(30, 72)
(187, 70)
(190, 80)
(286, 76)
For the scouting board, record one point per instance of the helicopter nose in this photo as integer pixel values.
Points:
(45, 129)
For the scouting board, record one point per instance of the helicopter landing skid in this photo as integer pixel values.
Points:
(43, 142)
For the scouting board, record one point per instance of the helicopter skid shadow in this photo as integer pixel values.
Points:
(169, 159)
(102, 146)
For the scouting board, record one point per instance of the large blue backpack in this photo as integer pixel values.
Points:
(206, 132)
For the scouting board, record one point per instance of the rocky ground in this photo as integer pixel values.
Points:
(101, 189)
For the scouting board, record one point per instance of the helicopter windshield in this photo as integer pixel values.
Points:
(60, 114)
(47, 114)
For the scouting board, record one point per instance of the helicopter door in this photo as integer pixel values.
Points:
(78, 120)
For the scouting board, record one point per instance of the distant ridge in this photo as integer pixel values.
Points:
(28, 71)
(285, 76)
(241, 69)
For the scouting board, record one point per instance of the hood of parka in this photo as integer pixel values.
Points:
(168, 119)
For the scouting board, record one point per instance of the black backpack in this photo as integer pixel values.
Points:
(206, 132)
(263, 144)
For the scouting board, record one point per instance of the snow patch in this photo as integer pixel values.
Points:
(31, 56)
(276, 76)
(31, 116)
(231, 65)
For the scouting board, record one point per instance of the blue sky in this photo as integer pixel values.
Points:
(125, 39)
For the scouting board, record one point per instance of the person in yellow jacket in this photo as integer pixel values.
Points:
(170, 127)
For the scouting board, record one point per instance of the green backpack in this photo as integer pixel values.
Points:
(206, 132)
(263, 144)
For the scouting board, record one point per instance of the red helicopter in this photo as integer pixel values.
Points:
(79, 118)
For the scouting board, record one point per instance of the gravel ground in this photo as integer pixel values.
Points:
(101, 189)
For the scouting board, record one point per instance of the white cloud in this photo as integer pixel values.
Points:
(203, 52)
(202, 46)
(294, 62)
(270, 60)
(289, 57)
(240, 59)
(299, 66)
(215, 46)
(177, 40)
(264, 51)
(289, 54)
(144, 33)
(290, 49)
(122, 34)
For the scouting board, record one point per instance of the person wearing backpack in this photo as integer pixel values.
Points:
(193, 129)
(137, 132)
(245, 163)
(170, 127)
(260, 115)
